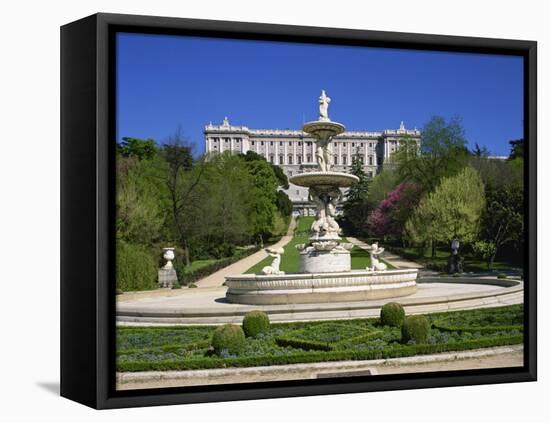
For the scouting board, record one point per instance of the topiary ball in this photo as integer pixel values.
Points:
(229, 338)
(415, 328)
(392, 314)
(255, 322)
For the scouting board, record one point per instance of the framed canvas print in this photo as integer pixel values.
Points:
(258, 211)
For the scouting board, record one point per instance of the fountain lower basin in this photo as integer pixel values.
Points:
(298, 288)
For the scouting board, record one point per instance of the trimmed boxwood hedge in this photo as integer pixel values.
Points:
(136, 268)
(473, 329)
(255, 322)
(415, 328)
(392, 314)
(228, 338)
(398, 350)
(305, 344)
(189, 347)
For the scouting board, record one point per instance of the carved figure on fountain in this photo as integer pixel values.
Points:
(325, 226)
(323, 154)
(275, 264)
(324, 101)
(375, 252)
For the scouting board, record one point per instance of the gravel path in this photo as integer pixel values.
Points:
(468, 360)
(241, 266)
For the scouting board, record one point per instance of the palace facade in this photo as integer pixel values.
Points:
(294, 150)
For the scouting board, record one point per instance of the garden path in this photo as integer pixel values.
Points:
(241, 266)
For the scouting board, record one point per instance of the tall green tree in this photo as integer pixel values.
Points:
(479, 151)
(229, 189)
(262, 204)
(356, 206)
(381, 185)
(502, 220)
(442, 153)
(181, 181)
(452, 210)
(282, 179)
(516, 149)
(140, 215)
(137, 147)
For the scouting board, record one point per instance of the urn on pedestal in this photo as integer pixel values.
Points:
(167, 276)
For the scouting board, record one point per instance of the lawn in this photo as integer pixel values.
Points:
(290, 260)
(184, 348)
(199, 264)
(471, 264)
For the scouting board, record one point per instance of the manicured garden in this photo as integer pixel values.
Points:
(439, 261)
(263, 344)
(290, 260)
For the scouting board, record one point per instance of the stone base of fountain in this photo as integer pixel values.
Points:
(325, 256)
(325, 261)
(307, 288)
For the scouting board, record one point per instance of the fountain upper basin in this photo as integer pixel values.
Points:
(323, 129)
(333, 179)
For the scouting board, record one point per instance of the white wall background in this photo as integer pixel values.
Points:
(29, 221)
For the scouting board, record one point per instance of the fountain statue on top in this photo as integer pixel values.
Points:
(324, 252)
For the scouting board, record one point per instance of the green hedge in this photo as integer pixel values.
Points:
(415, 328)
(397, 350)
(185, 278)
(228, 338)
(473, 329)
(290, 340)
(136, 268)
(392, 314)
(255, 322)
(303, 344)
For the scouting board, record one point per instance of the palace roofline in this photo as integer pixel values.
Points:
(225, 127)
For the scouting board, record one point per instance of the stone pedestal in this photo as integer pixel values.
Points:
(314, 261)
(167, 278)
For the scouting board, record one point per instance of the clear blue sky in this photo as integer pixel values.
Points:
(168, 81)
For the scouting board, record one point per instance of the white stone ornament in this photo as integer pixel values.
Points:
(275, 264)
(167, 276)
(324, 101)
(375, 252)
(168, 256)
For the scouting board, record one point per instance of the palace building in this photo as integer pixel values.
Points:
(294, 150)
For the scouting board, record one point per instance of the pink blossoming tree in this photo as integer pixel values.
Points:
(389, 217)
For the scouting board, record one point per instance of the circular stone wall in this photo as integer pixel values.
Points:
(300, 288)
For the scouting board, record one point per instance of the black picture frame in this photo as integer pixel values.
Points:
(87, 209)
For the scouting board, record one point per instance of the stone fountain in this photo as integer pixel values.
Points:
(325, 252)
(325, 262)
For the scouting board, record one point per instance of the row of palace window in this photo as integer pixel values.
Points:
(308, 143)
(226, 140)
(309, 159)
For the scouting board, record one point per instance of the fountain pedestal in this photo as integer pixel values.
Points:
(319, 261)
